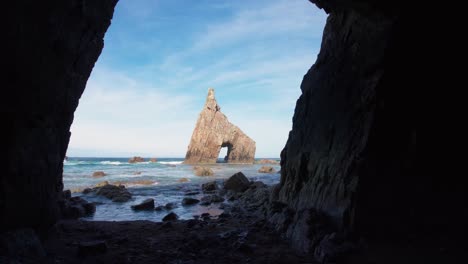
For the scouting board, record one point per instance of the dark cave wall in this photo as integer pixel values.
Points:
(351, 152)
(51, 48)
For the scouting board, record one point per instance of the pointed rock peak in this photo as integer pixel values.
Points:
(211, 101)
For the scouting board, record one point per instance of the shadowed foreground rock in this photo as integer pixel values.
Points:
(212, 132)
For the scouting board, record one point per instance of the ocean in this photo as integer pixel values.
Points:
(158, 180)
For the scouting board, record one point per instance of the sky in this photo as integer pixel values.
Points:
(160, 57)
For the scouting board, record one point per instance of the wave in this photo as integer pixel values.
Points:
(106, 162)
(170, 162)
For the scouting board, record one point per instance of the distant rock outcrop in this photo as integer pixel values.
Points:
(136, 159)
(212, 132)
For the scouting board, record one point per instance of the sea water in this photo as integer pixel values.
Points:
(158, 180)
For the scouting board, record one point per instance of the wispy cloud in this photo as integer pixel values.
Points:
(145, 93)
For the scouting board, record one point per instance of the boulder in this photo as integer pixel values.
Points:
(209, 186)
(98, 174)
(153, 160)
(189, 201)
(113, 192)
(237, 182)
(266, 169)
(136, 159)
(146, 205)
(212, 132)
(183, 180)
(203, 171)
(75, 207)
(209, 199)
(170, 217)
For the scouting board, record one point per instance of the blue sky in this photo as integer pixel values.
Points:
(161, 56)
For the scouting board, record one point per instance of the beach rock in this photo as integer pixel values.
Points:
(183, 180)
(98, 174)
(189, 201)
(115, 193)
(100, 184)
(75, 207)
(209, 199)
(146, 205)
(170, 217)
(136, 159)
(209, 186)
(203, 171)
(137, 182)
(237, 182)
(212, 132)
(267, 161)
(159, 208)
(153, 160)
(92, 248)
(192, 193)
(266, 169)
(170, 206)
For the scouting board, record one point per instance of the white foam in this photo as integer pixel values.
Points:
(170, 162)
(111, 162)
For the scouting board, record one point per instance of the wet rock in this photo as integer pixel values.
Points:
(103, 183)
(75, 207)
(113, 192)
(99, 174)
(66, 194)
(136, 159)
(92, 248)
(237, 182)
(170, 217)
(159, 208)
(183, 180)
(266, 169)
(192, 193)
(170, 206)
(189, 201)
(153, 160)
(137, 173)
(209, 199)
(209, 186)
(203, 171)
(212, 132)
(146, 205)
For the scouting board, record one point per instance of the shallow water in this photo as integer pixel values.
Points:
(163, 178)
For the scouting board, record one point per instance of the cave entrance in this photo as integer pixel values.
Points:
(224, 151)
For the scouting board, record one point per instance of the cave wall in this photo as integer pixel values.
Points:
(351, 153)
(51, 48)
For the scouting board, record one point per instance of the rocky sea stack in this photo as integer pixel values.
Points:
(212, 132)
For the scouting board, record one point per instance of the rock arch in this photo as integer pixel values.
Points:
(212, 132)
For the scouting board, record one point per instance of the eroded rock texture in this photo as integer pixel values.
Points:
(351, 152)
(50, 50)
(212, 132)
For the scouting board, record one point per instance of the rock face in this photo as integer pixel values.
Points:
(52, 48)
(351, 153)
(212, 132)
